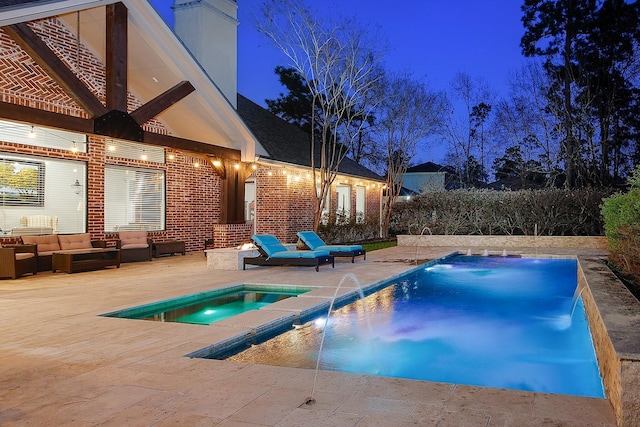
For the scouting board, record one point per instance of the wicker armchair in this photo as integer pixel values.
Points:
(134, 246)
(18, 260)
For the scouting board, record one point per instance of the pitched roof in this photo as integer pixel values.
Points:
(286, 142)
(429, 167)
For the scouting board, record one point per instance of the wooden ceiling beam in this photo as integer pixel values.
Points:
(116, 57)
(34, 116)
(45, 58)
(161, 102)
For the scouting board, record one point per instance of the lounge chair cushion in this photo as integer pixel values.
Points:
(339, 248)
(133, 239)
(46, 244)
(299, 254)
(269, 244)
(274, 249)
(24, 255)
(314, 242)
(75, 241)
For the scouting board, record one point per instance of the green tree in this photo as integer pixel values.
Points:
(296, 105)
(609, 67)
(552, 28)
(590, 54)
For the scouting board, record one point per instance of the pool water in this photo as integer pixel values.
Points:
(209, 307)
(502, 322)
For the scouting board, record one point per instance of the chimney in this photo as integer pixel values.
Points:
(208, 28)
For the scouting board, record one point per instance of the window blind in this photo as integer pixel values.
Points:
(134, 199)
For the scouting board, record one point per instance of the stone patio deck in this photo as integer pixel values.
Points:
(62, 364)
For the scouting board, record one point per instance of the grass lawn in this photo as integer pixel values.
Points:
(372, 246)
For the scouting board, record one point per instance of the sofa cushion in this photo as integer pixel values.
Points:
(134, 246)
(128, 238)
(48, 243)
(24, 255)
(75, 241)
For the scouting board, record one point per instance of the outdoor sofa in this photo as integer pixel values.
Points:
(274, 253)
(312, 241)
(49, 243)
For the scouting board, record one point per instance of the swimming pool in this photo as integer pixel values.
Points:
(503, 322)
(211, 306)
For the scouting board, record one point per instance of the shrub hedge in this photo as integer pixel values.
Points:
(621, 213)
(549, 212)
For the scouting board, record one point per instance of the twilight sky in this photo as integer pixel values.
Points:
(433, 39)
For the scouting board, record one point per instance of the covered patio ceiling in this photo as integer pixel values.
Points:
(156, 63)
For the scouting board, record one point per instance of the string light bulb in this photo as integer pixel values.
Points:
(236, 166)
(32, 133)
(74, 147)
(217, 163)
(144, 155)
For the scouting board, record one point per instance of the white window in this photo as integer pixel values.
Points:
(343, 207)
(41, 196)
(23, 133)
(326, 206)
(134, 199)
(360, 204)
(249, 200)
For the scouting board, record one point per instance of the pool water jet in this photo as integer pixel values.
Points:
(311, 399)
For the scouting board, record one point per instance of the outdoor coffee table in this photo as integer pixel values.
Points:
(74, 260)
(169, 247)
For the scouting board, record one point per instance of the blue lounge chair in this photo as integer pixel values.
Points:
(314, 242)
(272, 252)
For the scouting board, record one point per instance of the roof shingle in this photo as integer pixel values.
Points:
(286, 142)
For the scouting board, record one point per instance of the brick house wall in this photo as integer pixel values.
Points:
(284, 203)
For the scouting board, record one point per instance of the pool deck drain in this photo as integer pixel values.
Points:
(62, 364)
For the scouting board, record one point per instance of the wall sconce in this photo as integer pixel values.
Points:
(77, 187)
